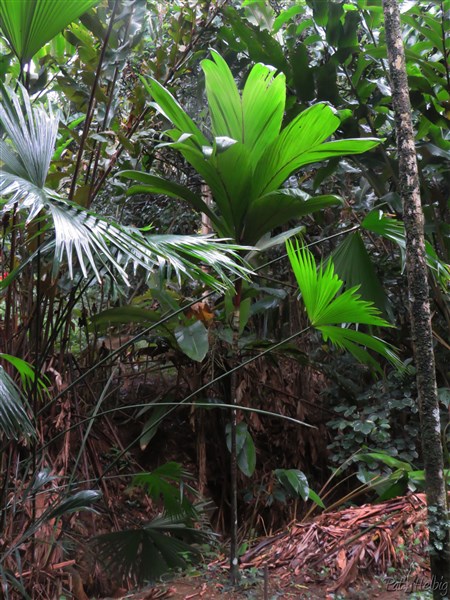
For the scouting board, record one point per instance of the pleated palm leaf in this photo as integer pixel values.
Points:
(144, 554)
(14, 420)
(98, 244)
(249, 155)
(29, 25)
(331, 312)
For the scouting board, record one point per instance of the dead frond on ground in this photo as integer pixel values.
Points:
(341, 546)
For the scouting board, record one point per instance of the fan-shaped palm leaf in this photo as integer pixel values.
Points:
(96, 243)
(331, 313)
(147, 553)
(29, 24)
(14, 421)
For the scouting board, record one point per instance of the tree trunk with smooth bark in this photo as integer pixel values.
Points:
(419, 305)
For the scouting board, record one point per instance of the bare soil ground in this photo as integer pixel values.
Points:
(209, 588)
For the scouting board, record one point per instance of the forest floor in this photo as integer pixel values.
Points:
(372, 551)
(252, 587)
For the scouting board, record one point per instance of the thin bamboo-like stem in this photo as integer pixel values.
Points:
(234, 550)
(91, 105)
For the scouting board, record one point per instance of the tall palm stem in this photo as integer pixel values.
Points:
(234, 551)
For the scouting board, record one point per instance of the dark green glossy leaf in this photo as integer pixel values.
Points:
(302, 73)
(294, 481)
(387, 459)
(158, 185)
(354, 267)
(146, 553)
(79, 501)
(279, 207)
(193, 340)
(246, 458)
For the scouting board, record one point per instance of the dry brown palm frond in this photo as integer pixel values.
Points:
(345, 544)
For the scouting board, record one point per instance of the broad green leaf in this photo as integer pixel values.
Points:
(385, 458)
(263, 101)
(353, 341)
(29, 25)
(171, 109)
(319, 288)
(354, 266)
(245, 448)
(285, 154)
(387, 227)
(25, 369)
(276, 208)
(316, 498)
(223, 98)
(419, 476)
(234, 170)
(398, 488)
(302, 142)
(241, 435)
(193, 340)
(158, 185)
(286, 15)
(255, 158)
(294, 481)
(163, 482)
(267, 241)
(246, 458)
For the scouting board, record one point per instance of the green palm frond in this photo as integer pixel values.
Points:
(26, 372)
(14, 421)
(166, 483)
(29, 25)
(331, 312)
(249, 156)
(147, 553)
(355, 342)
(98, 245)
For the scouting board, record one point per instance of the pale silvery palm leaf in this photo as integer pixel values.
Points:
(14, 421)
(32, 132)
(97, 244)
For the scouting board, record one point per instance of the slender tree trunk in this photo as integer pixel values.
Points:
(234, 550)
(419, 304)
